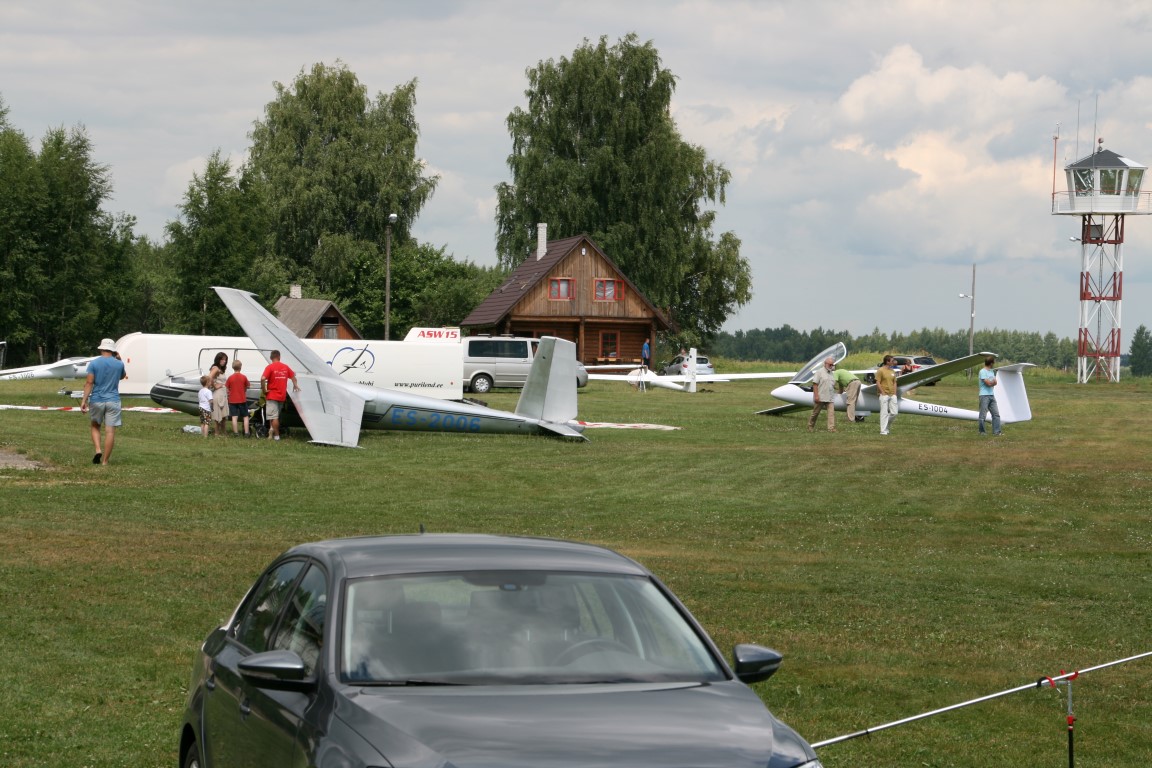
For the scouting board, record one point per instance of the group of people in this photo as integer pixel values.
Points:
(223, 395)
(220, 396)
(829, 380)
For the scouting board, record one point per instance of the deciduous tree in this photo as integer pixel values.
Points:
(596, 151)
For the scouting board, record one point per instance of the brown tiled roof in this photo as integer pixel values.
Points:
(302, 315)
(531, 271)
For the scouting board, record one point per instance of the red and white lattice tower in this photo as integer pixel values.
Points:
(1103, 188)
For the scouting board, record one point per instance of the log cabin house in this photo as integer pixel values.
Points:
(314, 318)
(570, 289)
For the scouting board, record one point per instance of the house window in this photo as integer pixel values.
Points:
(608, 345)
(560, 289)
(331, 331)
(609, 290)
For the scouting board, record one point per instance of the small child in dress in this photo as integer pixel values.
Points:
(205, 405)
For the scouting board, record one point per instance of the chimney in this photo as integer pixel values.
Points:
(541, 241)
(294, 292)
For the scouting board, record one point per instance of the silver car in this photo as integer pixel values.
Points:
(679, 366)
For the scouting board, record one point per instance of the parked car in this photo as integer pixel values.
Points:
(503, 361)
(679, 366)
(472, 650)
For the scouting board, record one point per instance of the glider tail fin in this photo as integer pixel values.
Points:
(1011, 396)
(549, 393)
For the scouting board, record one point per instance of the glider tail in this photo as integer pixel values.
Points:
(1011, 396)
(549, 394)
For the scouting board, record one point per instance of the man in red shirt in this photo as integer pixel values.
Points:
(274, 384)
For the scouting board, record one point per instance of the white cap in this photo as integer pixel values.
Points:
(107, 344)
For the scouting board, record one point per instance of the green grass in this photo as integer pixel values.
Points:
(897, 574)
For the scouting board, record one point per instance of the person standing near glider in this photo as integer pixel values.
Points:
(274, 383)
(823, 394)
(886, 386)
(988, 404)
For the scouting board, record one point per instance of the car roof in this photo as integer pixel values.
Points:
(435, 553)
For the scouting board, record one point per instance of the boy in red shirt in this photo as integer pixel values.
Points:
(238, 398)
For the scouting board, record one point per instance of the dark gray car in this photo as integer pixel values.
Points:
(474, 651)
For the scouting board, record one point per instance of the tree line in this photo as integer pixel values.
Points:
(786, 344)
(596, 152)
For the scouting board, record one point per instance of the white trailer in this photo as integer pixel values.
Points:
(429, 367)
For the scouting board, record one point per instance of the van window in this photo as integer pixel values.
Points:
(515, 349)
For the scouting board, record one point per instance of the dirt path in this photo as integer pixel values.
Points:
(17, 461)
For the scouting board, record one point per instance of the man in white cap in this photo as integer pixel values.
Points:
(101, 399)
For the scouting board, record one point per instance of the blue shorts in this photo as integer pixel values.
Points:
(106, 413)
(238, 410)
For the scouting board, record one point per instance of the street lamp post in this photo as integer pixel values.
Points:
(388, 276)
(971, 314)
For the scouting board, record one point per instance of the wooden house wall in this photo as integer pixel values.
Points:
(343, 330)
(583, 271)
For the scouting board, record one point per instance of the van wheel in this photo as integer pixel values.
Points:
(481, 383)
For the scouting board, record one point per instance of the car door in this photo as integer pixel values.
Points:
(246, 726)
(513, 361)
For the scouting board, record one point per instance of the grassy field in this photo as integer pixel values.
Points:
(897, 574)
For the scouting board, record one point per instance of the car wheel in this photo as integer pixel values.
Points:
(192, 759)
(481, 383)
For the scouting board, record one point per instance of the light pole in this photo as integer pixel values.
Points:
(388, 276)
(972, 314)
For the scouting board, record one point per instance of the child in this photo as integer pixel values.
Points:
(238, 398)
(205, 405)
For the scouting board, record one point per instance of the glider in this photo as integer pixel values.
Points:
(1011, 396)
(687, 382)
(334, 410)
(68, 368)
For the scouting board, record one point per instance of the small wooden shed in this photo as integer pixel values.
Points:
(314, 318)
(572, 290)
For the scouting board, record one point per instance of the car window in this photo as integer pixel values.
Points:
(257, 619)
(302, 627)
(518, 628)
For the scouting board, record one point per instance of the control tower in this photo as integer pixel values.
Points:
(1103, 188)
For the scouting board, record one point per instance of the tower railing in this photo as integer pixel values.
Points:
(1095, 202)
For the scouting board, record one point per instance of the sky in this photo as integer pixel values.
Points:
(878, 148)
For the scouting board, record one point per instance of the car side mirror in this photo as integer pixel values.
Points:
(278, 670)
(755, 663)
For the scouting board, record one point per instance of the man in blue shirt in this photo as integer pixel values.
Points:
(646, 354)
(101, 399)
(988, 396)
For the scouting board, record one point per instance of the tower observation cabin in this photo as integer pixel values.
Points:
(1103, 188)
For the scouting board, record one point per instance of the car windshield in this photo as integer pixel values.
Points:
(523, 627)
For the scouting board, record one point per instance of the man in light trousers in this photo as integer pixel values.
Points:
(886, 387)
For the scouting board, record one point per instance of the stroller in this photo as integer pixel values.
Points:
(258, 418)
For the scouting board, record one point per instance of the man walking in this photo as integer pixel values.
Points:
(823, 395)
(886, 387)
(988, 405)
(274, 384)
(101, 399)
(646, 355)
(848, 383)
